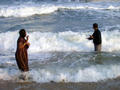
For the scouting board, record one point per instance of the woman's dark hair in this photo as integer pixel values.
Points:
(22, 33)
(95, 25)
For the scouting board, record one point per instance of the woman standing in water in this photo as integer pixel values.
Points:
(21, 54)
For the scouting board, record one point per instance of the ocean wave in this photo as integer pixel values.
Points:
(90, 74)
(62, 41)
(26, 10)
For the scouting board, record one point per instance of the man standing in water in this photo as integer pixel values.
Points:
(21, 52)
(96, 37)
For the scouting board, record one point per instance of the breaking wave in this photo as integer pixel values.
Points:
(26, 10)
(62, 41)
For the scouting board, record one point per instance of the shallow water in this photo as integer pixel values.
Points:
(58, 30)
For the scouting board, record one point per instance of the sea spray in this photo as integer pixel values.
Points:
(62, 41)
(25, 10)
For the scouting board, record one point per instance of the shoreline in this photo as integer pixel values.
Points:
(111, 84)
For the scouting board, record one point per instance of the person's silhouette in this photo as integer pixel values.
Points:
(21, 52)
(96, 37)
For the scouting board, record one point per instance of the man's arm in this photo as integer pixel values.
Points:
(90, 38)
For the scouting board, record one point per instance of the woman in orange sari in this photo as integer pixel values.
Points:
(21, 54)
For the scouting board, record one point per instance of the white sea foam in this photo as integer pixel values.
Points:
(8, 40)
(6, 74)
(89, 74)
(26, 10)
(84, 0)
(62, 41)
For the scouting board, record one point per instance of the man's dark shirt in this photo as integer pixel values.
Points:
(97, 37)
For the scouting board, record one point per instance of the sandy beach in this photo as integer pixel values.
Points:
(102, 85)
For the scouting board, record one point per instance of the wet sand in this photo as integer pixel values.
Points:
(102, 85)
